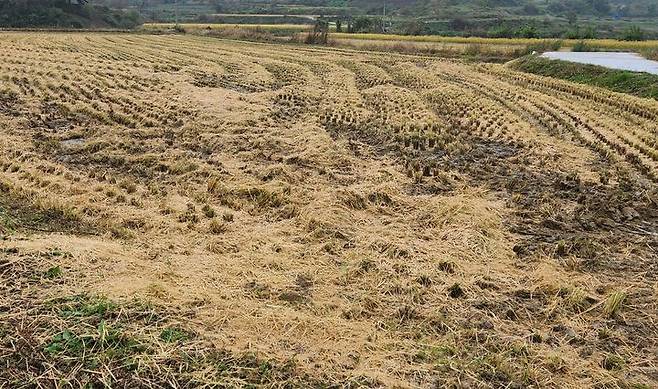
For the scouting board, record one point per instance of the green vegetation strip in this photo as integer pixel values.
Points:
(634, 83)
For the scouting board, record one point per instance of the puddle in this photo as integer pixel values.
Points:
(621, 61)
(73, 142)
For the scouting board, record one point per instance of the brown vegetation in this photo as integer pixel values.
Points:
(226, 213)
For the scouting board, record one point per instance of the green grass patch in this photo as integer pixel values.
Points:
(54, 272)
(83, 306)
(94, 345)
(174, 334)
(7, 224)
(634, 83)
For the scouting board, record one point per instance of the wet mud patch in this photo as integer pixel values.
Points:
(440, 170)
(207, 80)
(553, 212)
(9, 103)
(73, 142)
(581, 224)
(556, 213)
(57, 118)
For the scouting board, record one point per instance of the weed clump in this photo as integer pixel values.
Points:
(208, 211)
(174, 335)
(217, 227)
(582, 46)
(53, 272)
(614, 304)
(456, 291)
(613, 362)
(447, 266)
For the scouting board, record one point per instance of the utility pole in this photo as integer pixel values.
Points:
(384, 17)
(176, 11)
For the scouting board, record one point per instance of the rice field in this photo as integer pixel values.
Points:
(224, 26)
(501, 53)
(496, 49)
(610, 44)
(183, 211)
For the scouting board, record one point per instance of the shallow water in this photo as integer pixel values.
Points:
(73, 142)
(622, 61)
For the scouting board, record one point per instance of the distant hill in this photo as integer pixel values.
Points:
(418, 8)
(577, 19)
(64, 14)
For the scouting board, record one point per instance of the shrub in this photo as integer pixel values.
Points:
(502, 31)
(366, 24)
(577, 33)
(651, 54)
(633, 33)
(527, 31)
(582, 46)
(413, 27)
(319, 34)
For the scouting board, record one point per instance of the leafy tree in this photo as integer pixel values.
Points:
(320, 33)
(458, 24)
(528, 31)
(572, 18)
(633, 33)
(413, 27)
(589, 33)
(366, 24)
(501, 31)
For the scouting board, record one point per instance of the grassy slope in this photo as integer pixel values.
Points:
(638, 84)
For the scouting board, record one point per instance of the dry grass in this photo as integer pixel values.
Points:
(491, 43)
(349, 218)
(228, 26)
(611, 44)
(66, 340)
(443, 49)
